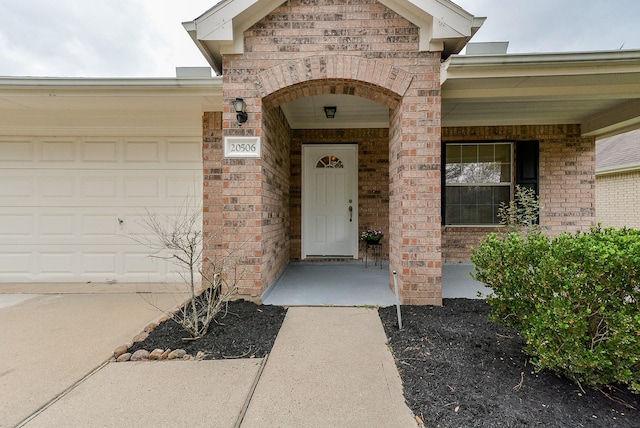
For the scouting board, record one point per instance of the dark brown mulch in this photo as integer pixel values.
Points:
(459, 370)
(246, 330)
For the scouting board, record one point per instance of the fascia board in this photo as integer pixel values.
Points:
(450, 21)
(514, 65)
(212, 56)
(76, 86)
(438, 20)
(624, 117)
(217, 22)
(618, 170)
(227, 22)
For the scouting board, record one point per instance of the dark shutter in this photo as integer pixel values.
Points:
(527, 165)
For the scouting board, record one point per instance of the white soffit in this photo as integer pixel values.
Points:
(352, 112)
(95, 105)
(598, 90)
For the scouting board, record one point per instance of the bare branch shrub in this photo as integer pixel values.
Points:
(522, 213)
(211, 282)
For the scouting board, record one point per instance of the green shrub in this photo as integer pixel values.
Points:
(574, 298)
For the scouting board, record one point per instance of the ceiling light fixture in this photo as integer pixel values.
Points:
(330, 111)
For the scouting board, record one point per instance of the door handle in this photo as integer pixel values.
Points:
(350, 213)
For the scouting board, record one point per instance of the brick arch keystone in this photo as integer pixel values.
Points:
(333, 67)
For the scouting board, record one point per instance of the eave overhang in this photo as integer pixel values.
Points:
(598, 90)
(624, 169)
(136, 94)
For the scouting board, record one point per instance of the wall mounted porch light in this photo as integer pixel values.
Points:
(330, 111)
(241, 110)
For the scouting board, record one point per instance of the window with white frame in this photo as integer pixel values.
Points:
(478, 178)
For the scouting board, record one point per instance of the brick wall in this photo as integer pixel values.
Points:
(276, 183)
(567, 180)
(212, 162)
(618, 199)
(458, 241)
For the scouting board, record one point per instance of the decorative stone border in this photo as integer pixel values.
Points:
(122, 354)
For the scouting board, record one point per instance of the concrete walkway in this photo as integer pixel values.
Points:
(330, 367)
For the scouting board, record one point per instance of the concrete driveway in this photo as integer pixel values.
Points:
(53, 335)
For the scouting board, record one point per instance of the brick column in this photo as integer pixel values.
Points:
(415, 190)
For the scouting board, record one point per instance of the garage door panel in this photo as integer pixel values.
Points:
(99, 225)
(99, 187)
(15, 186)
(58, 226)
(56, 151)
(15, 225)
(98, 263)
(15, 263)
(69, 206)
(57, 262)
(142, 151)
(142, 187)
(183, 151)
(180, 187)
(57, 186)
(16, 150)
(99, 151)
(141, 263)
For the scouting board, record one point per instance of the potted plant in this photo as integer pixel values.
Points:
(371, 236)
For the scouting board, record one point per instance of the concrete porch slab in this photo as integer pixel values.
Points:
(457, 282)
(351, 284)
(331, 284)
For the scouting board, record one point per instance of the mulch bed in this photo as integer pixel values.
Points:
(245, 330)
(459, 370)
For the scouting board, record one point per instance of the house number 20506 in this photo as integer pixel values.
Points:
(242, 147)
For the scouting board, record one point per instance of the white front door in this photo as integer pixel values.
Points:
(330, 200)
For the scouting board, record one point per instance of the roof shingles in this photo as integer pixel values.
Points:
(618, 152)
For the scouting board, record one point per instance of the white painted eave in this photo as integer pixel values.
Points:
(600, 91)
(444, 26)
(132, 86)
(220, 30)
(110, 94)
(90, 83)
(618, 170)
(549, 64)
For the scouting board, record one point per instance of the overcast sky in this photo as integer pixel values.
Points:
(145, 38)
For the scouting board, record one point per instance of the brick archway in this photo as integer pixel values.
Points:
(321, 68)
(366, 90)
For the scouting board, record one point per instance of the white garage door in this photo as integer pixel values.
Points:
(69, 205)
